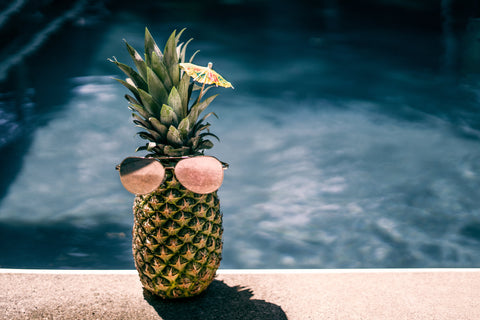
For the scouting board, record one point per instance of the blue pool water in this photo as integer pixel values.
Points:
(353, 138)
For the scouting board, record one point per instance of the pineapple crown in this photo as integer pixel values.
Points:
(160, 100)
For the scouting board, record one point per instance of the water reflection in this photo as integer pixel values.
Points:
(348, 144)
(381, 192)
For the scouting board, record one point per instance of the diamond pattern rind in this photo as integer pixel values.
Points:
(177, 240)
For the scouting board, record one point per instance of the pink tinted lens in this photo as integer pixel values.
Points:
(141, 175)
(200, 174)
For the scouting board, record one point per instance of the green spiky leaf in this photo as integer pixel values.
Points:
(132, 74)
(130, 87)
(205, 144)
(149, 103)
(156, 135)
(137, 59)
(184, 92)
(208, 115)
(132, 99)
(168, 116)
(179, 51)
(198, 108)
(174, 137)
(159, 148)
(156, 87)
(158, 126)
(140, 110)
(140, 121)
(183, 51)
(170, 59)
(199, 128)
(174, 152)
(146, 136)
(193, 56)
(193, 142)
(209, 135)
(184, 128)
(177, 37)
(170, 51)
(175, 102)
(150, 46)
(161, 71)
(174, 73)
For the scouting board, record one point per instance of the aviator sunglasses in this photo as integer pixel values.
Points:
(199, 174)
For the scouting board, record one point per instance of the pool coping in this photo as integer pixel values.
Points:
(247, 271)
(244, 294)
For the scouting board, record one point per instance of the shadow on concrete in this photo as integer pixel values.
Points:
(219, 302)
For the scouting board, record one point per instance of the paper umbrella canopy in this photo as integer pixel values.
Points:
(205, 75)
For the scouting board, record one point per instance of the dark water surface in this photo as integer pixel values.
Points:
(353, 133)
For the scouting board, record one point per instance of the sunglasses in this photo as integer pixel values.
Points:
(200, 174)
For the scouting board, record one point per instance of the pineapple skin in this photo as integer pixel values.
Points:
(177, 239)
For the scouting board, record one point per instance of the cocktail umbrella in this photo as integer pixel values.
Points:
(205, 75)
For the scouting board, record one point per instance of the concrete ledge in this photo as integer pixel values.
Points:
(247, 294)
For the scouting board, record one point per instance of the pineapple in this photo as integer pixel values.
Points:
(177, 234)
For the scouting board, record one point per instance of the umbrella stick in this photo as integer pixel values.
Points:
(201, 92)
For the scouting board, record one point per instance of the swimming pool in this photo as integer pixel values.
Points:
(353, 141)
